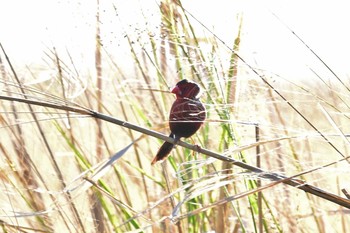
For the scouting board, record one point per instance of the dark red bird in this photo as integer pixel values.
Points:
(186, 116)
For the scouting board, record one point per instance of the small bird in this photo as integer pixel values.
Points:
(186, 116)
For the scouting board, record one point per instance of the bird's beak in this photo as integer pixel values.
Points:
(176, 90)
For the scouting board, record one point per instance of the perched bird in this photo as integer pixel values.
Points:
(186, 116)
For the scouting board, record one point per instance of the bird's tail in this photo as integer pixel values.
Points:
(164, 150)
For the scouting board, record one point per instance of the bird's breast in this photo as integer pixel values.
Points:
(186, 117)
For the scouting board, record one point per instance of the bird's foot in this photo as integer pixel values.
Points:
(197, 149)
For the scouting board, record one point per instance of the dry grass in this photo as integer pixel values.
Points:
(76, 151)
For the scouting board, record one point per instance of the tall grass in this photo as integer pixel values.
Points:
(66, 168)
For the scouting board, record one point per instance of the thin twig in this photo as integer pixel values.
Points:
(262, 173)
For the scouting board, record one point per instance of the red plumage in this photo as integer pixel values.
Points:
(187, 114)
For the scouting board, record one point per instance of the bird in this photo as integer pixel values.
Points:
(187, 115)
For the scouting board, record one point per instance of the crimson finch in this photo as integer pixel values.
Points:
(187, 114)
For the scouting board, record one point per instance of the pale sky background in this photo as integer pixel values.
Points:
(29, 28)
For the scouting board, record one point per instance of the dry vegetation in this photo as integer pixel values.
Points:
(75, 150)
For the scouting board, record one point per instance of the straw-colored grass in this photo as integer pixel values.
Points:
(76, 150)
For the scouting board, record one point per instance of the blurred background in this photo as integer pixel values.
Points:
(276, 68)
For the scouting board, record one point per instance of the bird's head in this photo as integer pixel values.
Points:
(186, 89)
